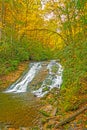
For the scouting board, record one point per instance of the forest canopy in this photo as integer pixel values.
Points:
(39, 29)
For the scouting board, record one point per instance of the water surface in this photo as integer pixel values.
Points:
(19, 109)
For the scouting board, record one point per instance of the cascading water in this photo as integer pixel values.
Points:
(53, 79)
(22, 84)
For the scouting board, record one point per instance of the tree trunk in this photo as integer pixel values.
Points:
(2, 18)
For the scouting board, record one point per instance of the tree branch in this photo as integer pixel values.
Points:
(51, 31)
(72, 117)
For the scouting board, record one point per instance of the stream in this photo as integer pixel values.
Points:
(20, 102)
(19, 110)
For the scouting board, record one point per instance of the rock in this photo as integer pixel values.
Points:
(53, 113)
(48, 108)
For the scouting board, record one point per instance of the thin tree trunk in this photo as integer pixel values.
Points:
(2, 18)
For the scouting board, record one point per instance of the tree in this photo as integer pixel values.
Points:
(2, 17)
(69, 18)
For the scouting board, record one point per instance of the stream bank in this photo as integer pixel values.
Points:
(7, 80)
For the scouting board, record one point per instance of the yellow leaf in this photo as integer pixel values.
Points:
(86, 126)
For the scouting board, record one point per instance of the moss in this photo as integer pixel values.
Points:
(54, 68)
(48, 81)
(44, 113)
(45, 89)
(35, 128)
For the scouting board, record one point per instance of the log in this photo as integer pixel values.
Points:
(72, 117)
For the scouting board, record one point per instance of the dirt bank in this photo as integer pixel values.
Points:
(8, 79)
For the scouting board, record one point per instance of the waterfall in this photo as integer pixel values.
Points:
(52, 80)
(22, 83)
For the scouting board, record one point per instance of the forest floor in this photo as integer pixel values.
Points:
(51, 111)
(55, 118)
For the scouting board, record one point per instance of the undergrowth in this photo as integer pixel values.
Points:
(74, 60)
(12, 54)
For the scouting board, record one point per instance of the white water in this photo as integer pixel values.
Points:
(21, 85)
(53, 79)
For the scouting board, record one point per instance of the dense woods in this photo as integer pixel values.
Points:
(47, 29)
(37, 30)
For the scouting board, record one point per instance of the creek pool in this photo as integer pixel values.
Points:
(19, 110)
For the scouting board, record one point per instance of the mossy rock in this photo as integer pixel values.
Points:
(54, 68)
(45, 89)
(48, 81)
